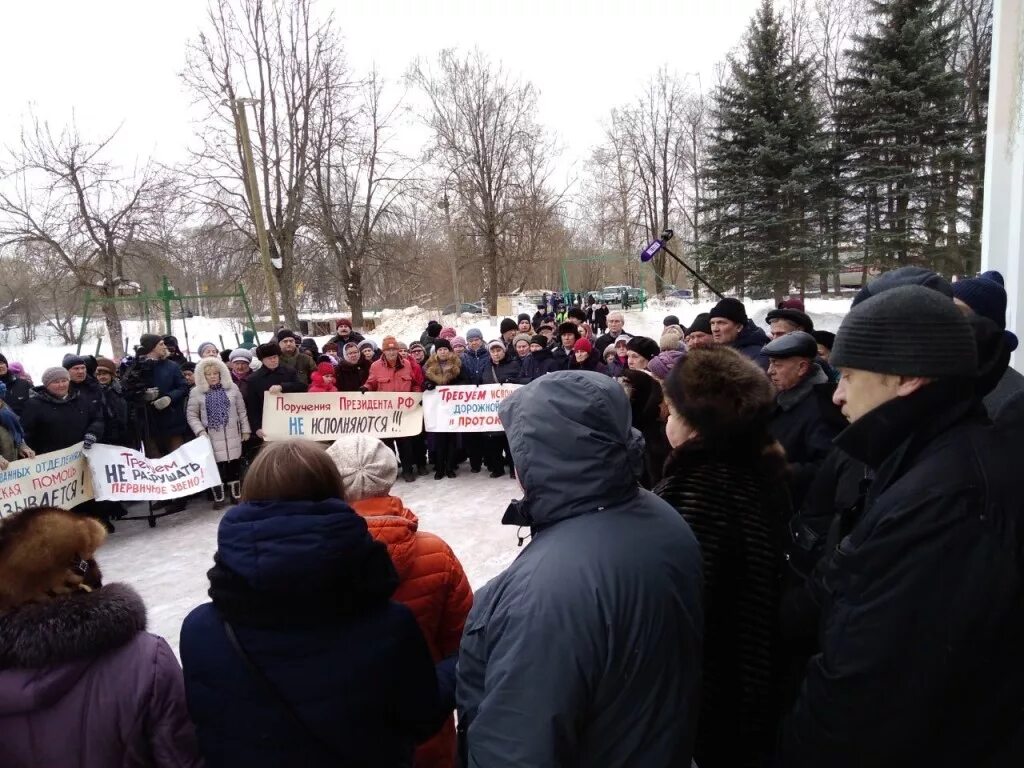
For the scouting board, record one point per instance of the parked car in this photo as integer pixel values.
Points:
(679, 293)
(461, 309)
(612, 294)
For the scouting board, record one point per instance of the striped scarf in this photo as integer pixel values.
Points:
(217, 405)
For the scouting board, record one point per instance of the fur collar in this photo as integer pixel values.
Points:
(226, 380)
(68, 627)
(432, 370)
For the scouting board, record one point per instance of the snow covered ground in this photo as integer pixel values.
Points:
(168, 564)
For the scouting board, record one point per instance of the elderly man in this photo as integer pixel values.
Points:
(391, 374)
(785, 320)
(805, 420)
(615, 322)
(158, 392)
(303, 365)
(731, 327)
(589, 642)
(922, 601)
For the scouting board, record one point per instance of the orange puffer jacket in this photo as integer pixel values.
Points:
(433, 586)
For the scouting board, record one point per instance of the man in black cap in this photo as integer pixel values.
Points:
(508, 330)
(783, 321)
(922, 605)
(805, 420)
(568, 335)
(272, 377)
(173, 350)
(699, 334)
(731, 328)
(288, 343)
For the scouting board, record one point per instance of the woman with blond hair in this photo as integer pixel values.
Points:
(216, 409)
(302, 658)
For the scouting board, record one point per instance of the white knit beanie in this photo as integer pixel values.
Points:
(368, 468)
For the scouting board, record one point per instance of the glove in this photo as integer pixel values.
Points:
(362, 390)
(88, 440)
(161, 402)
(151, 394)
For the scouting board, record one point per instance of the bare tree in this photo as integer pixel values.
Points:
(357, 182)
(86, 213)
(277, 53)
(485, 134)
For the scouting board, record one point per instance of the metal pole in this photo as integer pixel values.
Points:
(166, 299)
(85, 320)
(248, 313)
(253, 193)
(693, 272)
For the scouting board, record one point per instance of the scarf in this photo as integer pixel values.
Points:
(217, 406)
(9, 421)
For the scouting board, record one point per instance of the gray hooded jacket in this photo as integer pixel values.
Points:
(587, 649)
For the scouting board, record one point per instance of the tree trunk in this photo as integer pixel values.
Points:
(354, 293)
(286, 282)
(113, 323)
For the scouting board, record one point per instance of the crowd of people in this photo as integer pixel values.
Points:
(745, 549)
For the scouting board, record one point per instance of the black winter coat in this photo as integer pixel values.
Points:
(349, 377)
(260, 382)
(734, 505)
(645, 400)
(51, 424)
(353, 338)
(536, 365)
(18, 392)
(605, 339)
(923, 602)
(805, 422)
(750, 342)
(506, 372)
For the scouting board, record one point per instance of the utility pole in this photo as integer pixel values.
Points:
(252, 191)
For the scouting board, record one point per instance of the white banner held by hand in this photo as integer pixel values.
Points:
(465, 408)
(55, 479)
(330, 415)
(121, 474)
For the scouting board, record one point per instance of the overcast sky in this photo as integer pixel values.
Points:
(109, 62)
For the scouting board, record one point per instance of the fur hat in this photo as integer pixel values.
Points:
(508, 324)
(44, 552)
(442, 344)
(643, 346)
(217, 364)
(568, 327)
(270, 349)
(284, 333)
(240, 354)
(577, 314)
(51, 375)
(825, 338)
(147, 343)
(344, 321)
(538, 339)
(523, 316)
(368, 468)
(106, 364)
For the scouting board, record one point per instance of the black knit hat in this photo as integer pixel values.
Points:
(538, 339)
(508, 324)
(730, 309)
(701, 324)
(577, 314)
(284, 333)
(270, 349)
(907, 331)
(147, 343)
(188, 365)
(70, 361)
(569, 328)
(523, 316)
(171, 341)
(434, 329)
(442, 344)
(670, 320)
(826, 338)
(643, 346)
(800, 319)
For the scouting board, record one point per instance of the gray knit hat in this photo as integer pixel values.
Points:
(368, 468)
(240, 354)
(51, 375)
(907, 331)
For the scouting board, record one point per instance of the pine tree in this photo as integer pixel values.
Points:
(765, 161)
(901, 120)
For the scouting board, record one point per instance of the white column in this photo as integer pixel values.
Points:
(1002, 232)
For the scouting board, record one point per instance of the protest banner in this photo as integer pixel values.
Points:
(121, 474)
(465, 408)
(330, 415)
(55, 479)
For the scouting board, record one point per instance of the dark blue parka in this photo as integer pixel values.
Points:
(307, 590)
(475, 365)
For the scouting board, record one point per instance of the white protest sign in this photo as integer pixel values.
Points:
(121, 474)
(330, 415)
(56, 479)
(465, 408)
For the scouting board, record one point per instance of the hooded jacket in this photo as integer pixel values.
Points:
(433, 585)
(586, 649)
(536, 365)
(83, 684)
(227, 440)
(51, 424)
(307, 591)
(749, 343)
(922, 615)
(18, 392)
(475, 364)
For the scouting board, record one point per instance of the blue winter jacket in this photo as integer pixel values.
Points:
(168, 378)
(749, 343)
(586, 650)
(306, 589)
(537, 364)
(475, 364)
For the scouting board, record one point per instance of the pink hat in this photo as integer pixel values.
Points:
(447, 333)
(457, 341)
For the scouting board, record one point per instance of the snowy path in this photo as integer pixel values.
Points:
(168, 564)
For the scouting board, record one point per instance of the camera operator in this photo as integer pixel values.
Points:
(157, 389)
